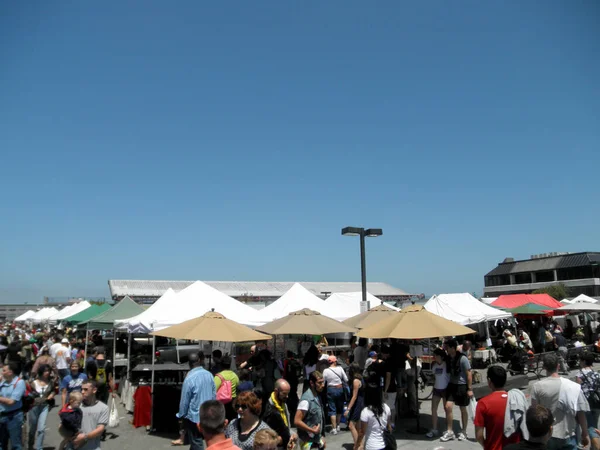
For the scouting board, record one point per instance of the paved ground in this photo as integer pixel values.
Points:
(125, 437)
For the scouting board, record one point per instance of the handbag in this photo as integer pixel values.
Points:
(388, 438)
(113, 417)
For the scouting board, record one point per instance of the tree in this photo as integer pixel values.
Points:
(558, 291)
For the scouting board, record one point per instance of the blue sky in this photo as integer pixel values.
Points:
(233, 141)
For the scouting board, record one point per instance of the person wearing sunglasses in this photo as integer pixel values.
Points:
(242, 430)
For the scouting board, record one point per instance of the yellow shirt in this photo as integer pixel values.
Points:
(228, 375)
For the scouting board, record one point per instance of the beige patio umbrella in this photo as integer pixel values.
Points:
(306, 321)
(413, 322)
(374, 315)
(212, 326)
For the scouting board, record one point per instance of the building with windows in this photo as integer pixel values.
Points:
(579, 272)
(255, 293)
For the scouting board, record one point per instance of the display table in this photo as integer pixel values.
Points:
(483, 358)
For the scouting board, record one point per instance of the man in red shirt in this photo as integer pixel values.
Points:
(489, 417)
(212, 426)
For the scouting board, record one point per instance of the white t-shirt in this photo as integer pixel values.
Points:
(334, 376)
(442, 377)
(54, 348)
(374, 434)
(61, 357)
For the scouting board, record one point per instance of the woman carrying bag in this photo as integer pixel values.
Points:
(375, 425)
(42, 388)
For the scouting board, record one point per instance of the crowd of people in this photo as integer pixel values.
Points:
(299, 403)
(43, 370)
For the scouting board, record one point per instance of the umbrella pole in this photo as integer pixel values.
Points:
(418, 429)
(152, 383)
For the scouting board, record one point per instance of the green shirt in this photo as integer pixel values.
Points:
(228, 375)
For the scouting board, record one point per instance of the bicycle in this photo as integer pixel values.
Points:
(426, 383)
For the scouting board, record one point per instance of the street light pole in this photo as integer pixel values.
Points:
(362, 233)
(363, 267)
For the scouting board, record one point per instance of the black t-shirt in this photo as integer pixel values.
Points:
(526, 445)
(99, 370)
(389, 366)
(560, 340)
(376, 371)
(399, 352)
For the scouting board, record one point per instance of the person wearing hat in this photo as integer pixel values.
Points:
(335, 378)
(63, 358)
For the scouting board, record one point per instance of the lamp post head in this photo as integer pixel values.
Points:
(373, 232)
(352, 231)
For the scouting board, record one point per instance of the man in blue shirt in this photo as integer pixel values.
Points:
(12, 390)
(72, 382)
(198, 387)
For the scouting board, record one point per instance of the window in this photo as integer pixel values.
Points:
(497, 280)
(575, 273)
(522, 278)
(542, 277)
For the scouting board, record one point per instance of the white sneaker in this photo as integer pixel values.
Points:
(432, 434)
(447, 436)
(337, 428)
(334, 431)
(462, 436)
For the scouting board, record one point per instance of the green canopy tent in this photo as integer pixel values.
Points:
(88, 314)
(124, 309)
(531, 309)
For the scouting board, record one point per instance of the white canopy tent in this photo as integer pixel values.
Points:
(194, 301)
(347, 304)
(69, 311)
(26, 315)
(297, 298)
(582, 298)
(463, 309)
(143, 321)
(43, 315)
(489, 300)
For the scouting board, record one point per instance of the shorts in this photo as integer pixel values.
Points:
(401, 379)
(439, 393)
(335, 400)
(457, 393)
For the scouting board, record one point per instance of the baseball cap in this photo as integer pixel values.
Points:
(65, 341)
(371, 354)
(332, 359)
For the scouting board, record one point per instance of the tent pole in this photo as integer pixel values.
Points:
(128, 355)
(177, 350)
(86, 341)
(152, 382)
(114, 353)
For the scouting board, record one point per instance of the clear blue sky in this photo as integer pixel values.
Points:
(233, 141)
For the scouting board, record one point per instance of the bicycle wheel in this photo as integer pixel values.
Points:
(425, 391)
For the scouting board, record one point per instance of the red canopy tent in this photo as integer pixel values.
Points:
(516, 300)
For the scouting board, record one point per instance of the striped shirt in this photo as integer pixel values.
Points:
(198, 387)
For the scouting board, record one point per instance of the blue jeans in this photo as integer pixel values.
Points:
(562, 444)
(11, 427)
(37, 426)
(335, 400)
(193, 434)
(592, 422)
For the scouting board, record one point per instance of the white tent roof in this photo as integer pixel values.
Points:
(69, 311)
(194, 301)
(582, 298)
(463, 308)
(298, 297)
(143, 321)
(489, 300)
(43, 314)
(26, 315)
(347, 304)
